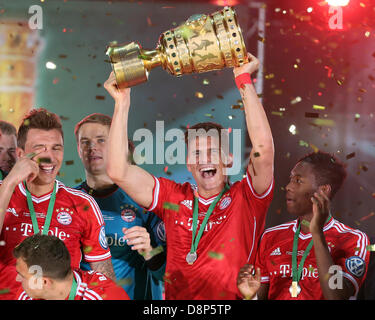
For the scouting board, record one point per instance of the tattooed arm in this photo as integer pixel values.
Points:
(104, 267)
(262, 155)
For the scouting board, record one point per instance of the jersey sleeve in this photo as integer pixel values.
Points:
(94, 242)
(162, 196)
(354, 259)
(260, 202)
(100, 287)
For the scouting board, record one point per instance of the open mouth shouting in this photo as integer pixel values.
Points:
(207, 172)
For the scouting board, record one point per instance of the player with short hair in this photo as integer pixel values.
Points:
(33, 201)
(212, 228)
(139, 257)
(8, 145)
(314, 257)
(44, 269)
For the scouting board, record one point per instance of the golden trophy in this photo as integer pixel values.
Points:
(203, 43)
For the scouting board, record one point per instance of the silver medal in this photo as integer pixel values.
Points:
(294, 289)
(191, 257)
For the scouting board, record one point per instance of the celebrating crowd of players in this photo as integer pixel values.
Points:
(126, 234)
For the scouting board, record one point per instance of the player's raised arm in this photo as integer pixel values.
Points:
(137, 182)
(262, 155)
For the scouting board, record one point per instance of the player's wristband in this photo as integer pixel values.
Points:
(242, 79)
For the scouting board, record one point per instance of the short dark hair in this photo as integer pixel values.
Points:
(327, 169)
(105, 120)
(46, 251)
(7, 128)
(205, 126)
(38, 119)
(93, 118)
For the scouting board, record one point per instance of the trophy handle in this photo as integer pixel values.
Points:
(131, 64)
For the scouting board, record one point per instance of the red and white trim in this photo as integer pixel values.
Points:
(256, 195)
(155, 194)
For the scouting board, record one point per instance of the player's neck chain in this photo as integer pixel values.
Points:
(51, 205)
(192, 255)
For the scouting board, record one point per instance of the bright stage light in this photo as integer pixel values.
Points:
(338, 3)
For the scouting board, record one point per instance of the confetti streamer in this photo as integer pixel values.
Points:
(171, 206)
(216, 255)
(87, 249)
(69, 162)
(370, 247)
(350, 155)
(305, 223)
(4, 291)
(317, 107)
(99, 97)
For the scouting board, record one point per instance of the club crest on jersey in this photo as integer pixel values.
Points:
(63, 216)
(356, 266)
(102, 239)
(160, 231)
(225, 202)
(128, 215)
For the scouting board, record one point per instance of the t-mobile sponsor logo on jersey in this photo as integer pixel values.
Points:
(310, 271)
(27, 229)
(115, 240)
(209, 224)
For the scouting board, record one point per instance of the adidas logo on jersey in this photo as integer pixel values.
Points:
(276, 252)
(187, 203)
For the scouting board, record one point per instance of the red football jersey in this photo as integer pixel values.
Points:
(76, 220)
(346, 245)
(91, 285)
(229, 239)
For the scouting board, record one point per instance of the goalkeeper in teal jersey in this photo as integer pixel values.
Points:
(135, 237)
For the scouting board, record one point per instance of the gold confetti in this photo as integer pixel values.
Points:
(199, 95)
(87, 249)
(370, 247)
(206, 82)
(317, 107)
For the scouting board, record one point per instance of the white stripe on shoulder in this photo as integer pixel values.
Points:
(280, 226)
(155, 194)
(258, 196)
(93, 294)
(24, 296)
(362, 239)
(90, 199)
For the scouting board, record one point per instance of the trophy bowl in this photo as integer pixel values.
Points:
(203, 43)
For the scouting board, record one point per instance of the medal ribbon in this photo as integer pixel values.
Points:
(51, 204)
(297, 273)
(73, 289)
(196, 238)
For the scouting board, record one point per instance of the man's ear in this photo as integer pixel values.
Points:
(327, 189)
(20, 152)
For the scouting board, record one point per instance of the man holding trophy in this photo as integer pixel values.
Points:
(213, 228)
